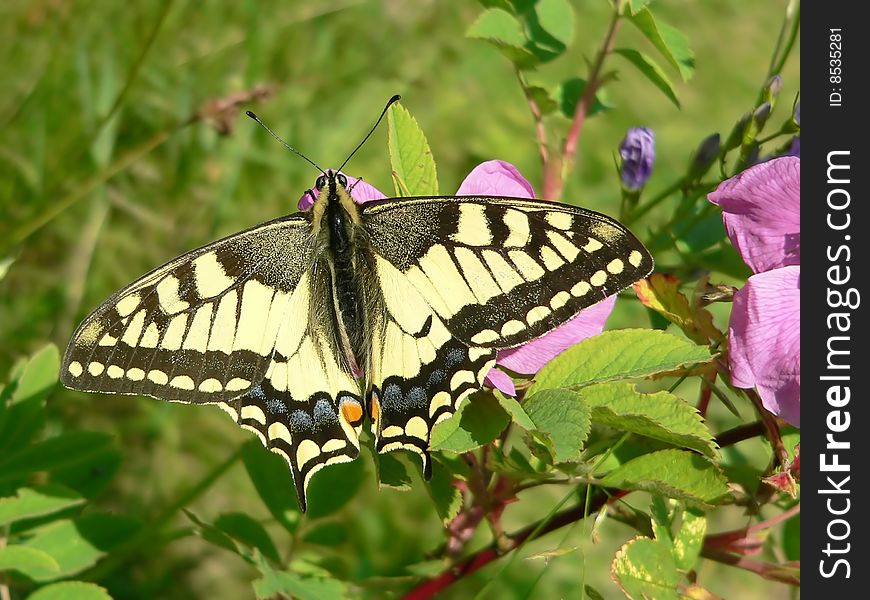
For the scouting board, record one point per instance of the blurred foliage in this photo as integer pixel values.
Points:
(124, 144)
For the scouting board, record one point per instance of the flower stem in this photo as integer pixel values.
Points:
(554, 174)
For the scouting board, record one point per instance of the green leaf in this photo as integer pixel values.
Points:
(542, 98)
(562, 415)
(327, 534)
(447, 499)
(392, 473)
(643, 568)
(410, 156)
(620, 354)
(292, 585)
(333, 487)
(671, 42)
(24, 415)
(30, 562)
(633, 6)
(5, 263)
(570, 91)
(689, 540)
(661, 416)
(479, 421)
(505, 32)
(515, 410)
(550, 27)
(36, 502)
(79, 543)
(215, 536)
(248, 531)
(652, 70)
(272, 479)
(70, 590)
(39, 376)
(62, 453)
(672, 473)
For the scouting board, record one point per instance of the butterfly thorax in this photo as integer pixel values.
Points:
(339, 220)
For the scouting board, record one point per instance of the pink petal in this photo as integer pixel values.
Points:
(764, 340)
(361, 192)
(496, 178)
(530, 357)
(500, 381)
(761, 212)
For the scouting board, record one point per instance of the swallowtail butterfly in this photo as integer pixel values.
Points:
(390, 312)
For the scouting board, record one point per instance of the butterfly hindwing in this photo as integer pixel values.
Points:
(419, 372)
(307, 408)
(503, 271)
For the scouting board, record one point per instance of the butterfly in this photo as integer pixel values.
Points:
(391, 312)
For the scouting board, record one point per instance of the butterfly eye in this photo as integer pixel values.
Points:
(342, 180)
(320, 183)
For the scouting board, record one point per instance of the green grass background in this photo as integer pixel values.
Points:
(86, 205)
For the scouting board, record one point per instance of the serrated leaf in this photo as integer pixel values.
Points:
(392, 473)
(410, 156)
(70, 590)
(643, 568)
(564, 417)
(668, 40)
(275, 583)
(248, 531)
(64, 452)
(689, 540)
(621, 354)
(332, 488)
(478, 422)
(569, 92)
(36, 502)
(505, 32)
(661, 415)
(672, 473)
(446, 497)
(652, 70)
(30, 562)
(273, 482)
(77, 544)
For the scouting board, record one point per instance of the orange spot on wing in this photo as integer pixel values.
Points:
(352, 412)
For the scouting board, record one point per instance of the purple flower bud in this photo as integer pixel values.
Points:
(638, 154)
(771, 89)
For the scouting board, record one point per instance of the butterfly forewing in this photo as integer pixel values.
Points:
(201, 328)
(503, 271)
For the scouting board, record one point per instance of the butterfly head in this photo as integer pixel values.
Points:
(329, 180)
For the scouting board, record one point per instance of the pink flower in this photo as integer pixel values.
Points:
(499, 178)
(761, 212)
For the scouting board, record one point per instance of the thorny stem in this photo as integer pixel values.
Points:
(765, 570)
(540, 131)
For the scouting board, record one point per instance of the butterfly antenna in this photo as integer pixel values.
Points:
(390, 102)
(282, 142)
